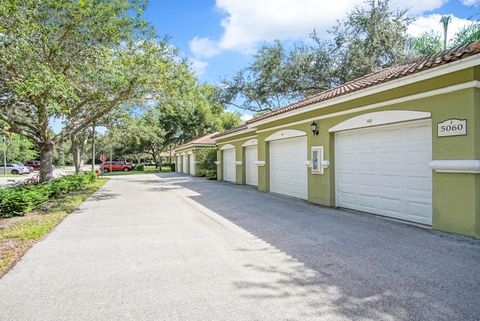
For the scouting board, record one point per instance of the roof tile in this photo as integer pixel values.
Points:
(204, 140)
(381, 76)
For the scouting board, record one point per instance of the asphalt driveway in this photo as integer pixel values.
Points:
(170, 247)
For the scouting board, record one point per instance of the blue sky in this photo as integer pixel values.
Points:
(186, 19)
(219, 36)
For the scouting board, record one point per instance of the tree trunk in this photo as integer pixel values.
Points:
(75, 154)
(78, 150)
(154, 156)
(46, 162)
(83, 148)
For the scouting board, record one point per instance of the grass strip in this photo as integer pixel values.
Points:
(34, 227)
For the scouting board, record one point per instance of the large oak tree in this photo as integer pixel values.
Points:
(74, 61)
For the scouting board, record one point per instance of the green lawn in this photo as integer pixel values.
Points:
(147, 170)
(18, 237)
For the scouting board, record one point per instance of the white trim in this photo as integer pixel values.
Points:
(236, 140)
(456, 166)
(251, 142)
(190, 153)
(287, 133)
(243, 131)
(260, 163)
(227, 146)
(204, 145)
(218, 162)
(420, 76)
(435, 92)
(320, 160)
(192, 145)
(238, 163)
(379, 118)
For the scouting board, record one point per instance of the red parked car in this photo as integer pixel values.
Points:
(116, 166)
(33, 164)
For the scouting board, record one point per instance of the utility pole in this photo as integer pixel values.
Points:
(93, 147)
(111, 159)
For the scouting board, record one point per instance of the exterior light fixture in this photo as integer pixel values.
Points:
(314, 127)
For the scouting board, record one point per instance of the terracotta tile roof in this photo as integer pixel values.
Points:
(230, 131)
(379, 77)
(204, 140)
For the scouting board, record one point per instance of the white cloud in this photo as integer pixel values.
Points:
(432, 22)
(246, 117)
(203, 47)
(470, 3)
(417, 7)
(249, 22)
(199, 66)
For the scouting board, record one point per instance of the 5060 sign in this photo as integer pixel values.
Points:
(452, 127)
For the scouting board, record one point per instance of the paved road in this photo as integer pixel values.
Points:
(11, 180)
(176, 248)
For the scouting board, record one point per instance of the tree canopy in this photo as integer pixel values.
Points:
(366, 40)
(369, 38)
(75, 61)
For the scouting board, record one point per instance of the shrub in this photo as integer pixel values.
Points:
(19, 200)
(211, 174)
(140, 167)
(206, 158)
(14, 202)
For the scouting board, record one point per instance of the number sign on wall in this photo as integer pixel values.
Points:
(452, 127)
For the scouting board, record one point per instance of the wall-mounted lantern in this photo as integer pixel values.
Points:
(314, 127)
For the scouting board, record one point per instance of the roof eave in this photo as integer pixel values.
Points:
(451, 67)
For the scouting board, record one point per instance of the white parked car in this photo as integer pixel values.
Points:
(15, 168)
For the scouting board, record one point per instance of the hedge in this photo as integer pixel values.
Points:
(19, 200)
(206, 158)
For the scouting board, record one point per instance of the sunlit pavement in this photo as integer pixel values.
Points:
(171, 247)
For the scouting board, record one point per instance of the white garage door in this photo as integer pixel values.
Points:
(229, 165)
(184, 165)
(288, 172)
(384, 170)
(191, 159)
(179, 164)
(251, 172)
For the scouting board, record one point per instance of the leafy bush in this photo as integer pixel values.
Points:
(206, 158)
(14, 202)
(140, 167)
(211, 174)
(18, 201)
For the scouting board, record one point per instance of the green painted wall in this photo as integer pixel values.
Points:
(187, 150)
(239, 156)
(456, 196)
(219, 165)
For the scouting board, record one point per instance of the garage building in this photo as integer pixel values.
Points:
(402, 143)
(185, 154)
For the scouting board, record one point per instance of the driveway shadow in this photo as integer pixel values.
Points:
(358, 266)
(101, 195)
